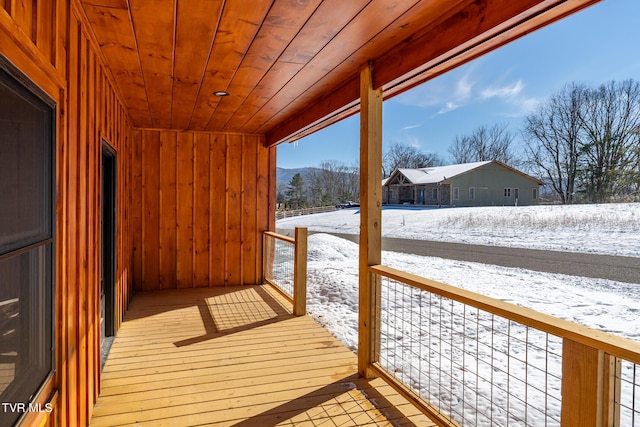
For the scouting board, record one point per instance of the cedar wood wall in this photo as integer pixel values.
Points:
(190, 206)
(203, 207)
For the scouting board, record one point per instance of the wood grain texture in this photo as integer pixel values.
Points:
(583, 397)
(218, 200)
(52, 44)
(151, 210)
(196, 25)
(184, 199)
(191, 206)
(236, 356)
(219, 203)
(284, 62)
(168, 210)
(201, 209)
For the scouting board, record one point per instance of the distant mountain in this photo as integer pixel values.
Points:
(284, 175)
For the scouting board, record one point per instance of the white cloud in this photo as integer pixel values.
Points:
(508, 91)
(448, 107)
(464, 87)
(411, 127)
(448, 91)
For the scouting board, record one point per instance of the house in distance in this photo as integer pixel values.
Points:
(489, 183)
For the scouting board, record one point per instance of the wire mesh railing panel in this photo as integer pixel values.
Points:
(627, 395)
(279, 265)
(472, 366)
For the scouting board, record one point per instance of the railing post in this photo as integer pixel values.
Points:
(370, 252)
(587, 383)
(300, 272)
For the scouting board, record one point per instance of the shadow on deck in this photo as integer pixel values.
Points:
(236, 356)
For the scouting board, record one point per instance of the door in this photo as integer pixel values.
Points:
(107, 249)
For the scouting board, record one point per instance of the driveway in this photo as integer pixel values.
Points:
(618, 268)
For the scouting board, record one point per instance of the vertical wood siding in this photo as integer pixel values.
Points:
(201, 202)
(49, 42)
(190, 207)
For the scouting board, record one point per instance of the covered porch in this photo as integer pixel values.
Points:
(184, 104)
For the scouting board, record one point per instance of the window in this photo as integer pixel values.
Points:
(507, 192)
(434, 194)
(534, 194)
(472, 193)
(456, 193)
(26, 241)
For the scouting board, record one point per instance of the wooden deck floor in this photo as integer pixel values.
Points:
(235, 356)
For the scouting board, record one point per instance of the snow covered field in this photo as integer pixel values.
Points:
(605, 229)
(610, 306)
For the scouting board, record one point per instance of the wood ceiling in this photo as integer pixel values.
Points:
(290, 66)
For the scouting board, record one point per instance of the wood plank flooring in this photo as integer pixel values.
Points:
(236, 356)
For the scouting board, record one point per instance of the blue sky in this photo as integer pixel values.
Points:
(597, 45)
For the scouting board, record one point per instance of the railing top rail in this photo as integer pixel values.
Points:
(280, 236)
(612, 344)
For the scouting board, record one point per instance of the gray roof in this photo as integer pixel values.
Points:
(438, 174)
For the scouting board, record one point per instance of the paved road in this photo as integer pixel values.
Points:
(622, 269)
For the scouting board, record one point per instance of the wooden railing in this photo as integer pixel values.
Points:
(285, 266)
(288, 213)
(467, 359)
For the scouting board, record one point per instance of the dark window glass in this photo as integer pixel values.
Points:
(25, 171)
(26, 244)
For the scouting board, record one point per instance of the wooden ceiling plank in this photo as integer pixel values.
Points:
(278, 76)
(424, 14)
(330, 17)
(154, 34)
(197, 21)
(281, 25)
(114, 34)
(238, 27)
(334, 106)
(343, 48)
(479, 23)
(422, 18)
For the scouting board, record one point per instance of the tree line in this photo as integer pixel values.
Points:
(332, 182)
(583, 142)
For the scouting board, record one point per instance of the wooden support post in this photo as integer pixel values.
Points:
(370, 211)
(587, 381)
(300, 272)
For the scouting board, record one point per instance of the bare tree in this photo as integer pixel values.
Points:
(553, 139)
(334, 182)
(610, 150)
(585, 141)
(404, 156)
(484, 143)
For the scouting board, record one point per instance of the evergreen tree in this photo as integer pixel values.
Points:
(295, 194)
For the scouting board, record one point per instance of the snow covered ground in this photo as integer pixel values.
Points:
(609, 306)
(606, 229)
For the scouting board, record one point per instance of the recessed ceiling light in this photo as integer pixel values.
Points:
(221, 93)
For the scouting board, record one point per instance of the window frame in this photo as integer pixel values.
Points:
(472, 193)
(44, 245)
